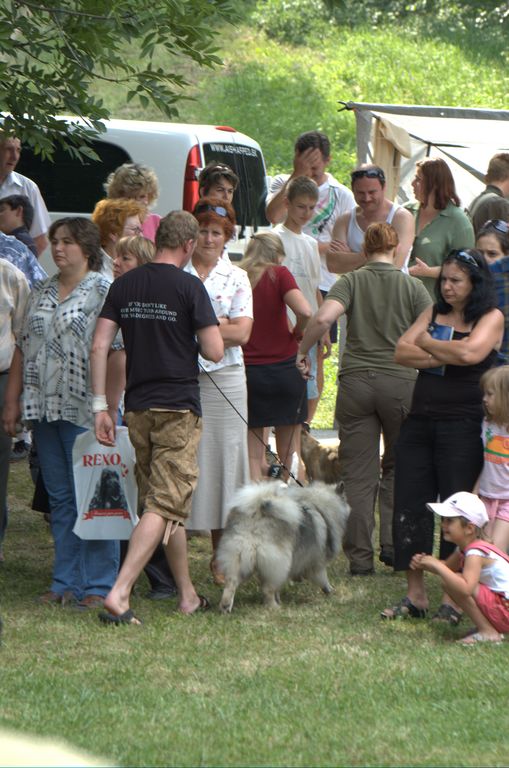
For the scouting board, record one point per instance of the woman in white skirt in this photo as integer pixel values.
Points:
(222, 455)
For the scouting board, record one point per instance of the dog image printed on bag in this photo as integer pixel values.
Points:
(281, 532)
(108, 492)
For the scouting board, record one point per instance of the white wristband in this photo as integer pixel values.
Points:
(99, 403)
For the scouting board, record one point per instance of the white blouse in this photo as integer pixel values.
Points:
(231, 296)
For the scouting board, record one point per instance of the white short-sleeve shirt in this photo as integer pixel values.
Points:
(16, 184)
(231, 296)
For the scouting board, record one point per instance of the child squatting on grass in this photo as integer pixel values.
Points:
(493, 483)
(476, 575)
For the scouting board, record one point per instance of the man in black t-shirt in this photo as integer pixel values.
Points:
(166, 318)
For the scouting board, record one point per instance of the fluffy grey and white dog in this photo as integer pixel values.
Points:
(281, 532)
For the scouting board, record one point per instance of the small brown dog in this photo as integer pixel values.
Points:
(321, 463)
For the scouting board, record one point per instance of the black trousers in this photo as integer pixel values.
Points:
(433, 459)
(157, 569)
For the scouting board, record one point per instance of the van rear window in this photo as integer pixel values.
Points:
(247, 162)
(78, 186)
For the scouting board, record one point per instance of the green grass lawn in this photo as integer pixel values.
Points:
(324, 416)
(324, 681)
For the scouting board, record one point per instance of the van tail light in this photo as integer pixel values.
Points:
(193, 166)
(225, 128)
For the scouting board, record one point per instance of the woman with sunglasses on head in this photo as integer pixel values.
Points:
(222, 455)
(493, 242)
(440, 223)
(439, 450)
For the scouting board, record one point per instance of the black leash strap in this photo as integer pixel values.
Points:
(267, 447)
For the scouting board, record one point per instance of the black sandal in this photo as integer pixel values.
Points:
(448, 614)
(405, 609)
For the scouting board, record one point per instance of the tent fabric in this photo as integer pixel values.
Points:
(398, 137)
(464, 138)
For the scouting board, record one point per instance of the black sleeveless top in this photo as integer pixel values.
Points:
(457, 394)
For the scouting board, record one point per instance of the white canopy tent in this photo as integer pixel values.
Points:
(396, 137)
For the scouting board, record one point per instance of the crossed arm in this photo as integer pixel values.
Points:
(417, 349)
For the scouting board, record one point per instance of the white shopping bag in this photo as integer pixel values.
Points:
(106, 489)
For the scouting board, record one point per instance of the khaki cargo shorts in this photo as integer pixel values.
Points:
(166, 444)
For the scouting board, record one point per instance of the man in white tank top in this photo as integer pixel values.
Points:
(368, 187)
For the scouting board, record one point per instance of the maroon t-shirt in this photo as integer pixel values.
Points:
(271, 340)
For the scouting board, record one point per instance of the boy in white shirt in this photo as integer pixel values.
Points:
(302, 259)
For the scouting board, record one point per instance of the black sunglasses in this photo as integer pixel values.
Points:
(370, 173)
(202, 208)
(465, 257)
(498, 224)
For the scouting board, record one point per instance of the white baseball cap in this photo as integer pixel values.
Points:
(467, 505)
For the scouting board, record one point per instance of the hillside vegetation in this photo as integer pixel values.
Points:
(279, 80)
(290, 62)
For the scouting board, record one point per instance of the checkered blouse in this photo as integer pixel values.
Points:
(55, 340)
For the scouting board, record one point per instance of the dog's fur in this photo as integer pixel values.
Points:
(108, 492)
(321, 463)
(281, 533)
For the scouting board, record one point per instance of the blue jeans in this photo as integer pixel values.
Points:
(81, 567)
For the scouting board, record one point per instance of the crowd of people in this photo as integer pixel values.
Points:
(226, 352)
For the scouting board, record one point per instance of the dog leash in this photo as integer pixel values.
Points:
(267, 447)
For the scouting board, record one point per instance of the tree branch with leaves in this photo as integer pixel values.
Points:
(51, 54)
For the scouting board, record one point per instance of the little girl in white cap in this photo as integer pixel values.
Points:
(476, 575)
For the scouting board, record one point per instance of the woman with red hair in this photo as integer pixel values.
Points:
(116, 218)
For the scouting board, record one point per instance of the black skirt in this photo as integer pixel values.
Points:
(276, 395)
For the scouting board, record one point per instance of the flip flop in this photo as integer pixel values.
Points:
(203, 606)
(405, 609)
(127, 617)
(476, 637)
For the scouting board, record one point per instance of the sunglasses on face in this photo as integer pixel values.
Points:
(215, 208)
(369, 173)
(465, 257)
(498, 224)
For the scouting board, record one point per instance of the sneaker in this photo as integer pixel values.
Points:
(19, 450)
